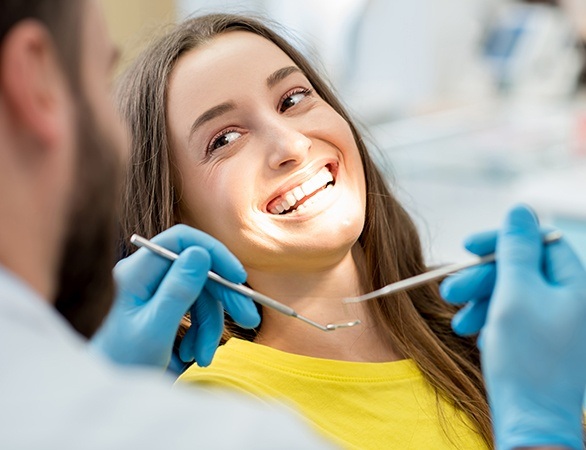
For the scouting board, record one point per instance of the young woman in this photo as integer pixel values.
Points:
(235, 133)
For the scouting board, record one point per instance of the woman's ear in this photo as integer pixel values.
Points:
(33, 84)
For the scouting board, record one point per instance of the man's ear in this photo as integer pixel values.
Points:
(32, 82)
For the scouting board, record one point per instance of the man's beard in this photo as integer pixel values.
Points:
(85, 288)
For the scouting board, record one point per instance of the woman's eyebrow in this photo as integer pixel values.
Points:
(223, 108)
(281, 74)
(211, 114)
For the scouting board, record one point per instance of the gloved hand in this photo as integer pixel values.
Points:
(473, 287)
(533, 341)
(154, 294)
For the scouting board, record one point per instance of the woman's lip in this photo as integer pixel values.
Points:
(332, 166)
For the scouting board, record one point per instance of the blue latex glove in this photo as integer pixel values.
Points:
(533, 336)
(154, 294)
(472, 287)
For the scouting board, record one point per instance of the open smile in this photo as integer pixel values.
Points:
(304, 194)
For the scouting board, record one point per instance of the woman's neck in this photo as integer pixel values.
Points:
(318, 296)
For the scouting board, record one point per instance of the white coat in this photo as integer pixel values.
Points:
(55, 394)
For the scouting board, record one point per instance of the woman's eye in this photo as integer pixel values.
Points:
(293, 99)
(224, 139)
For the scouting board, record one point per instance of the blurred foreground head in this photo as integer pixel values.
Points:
(61, 147)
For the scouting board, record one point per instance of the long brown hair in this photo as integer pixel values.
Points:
(417, 323)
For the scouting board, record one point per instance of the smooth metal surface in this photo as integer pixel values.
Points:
(261, 299)
(432, 275)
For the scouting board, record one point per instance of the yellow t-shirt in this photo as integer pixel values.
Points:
(357, 405)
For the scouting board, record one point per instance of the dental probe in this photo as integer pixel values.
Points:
(432, 275)
(139, 241)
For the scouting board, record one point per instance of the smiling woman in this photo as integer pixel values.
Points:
(235, 133)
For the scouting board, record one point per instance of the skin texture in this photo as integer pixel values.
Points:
(275, 136)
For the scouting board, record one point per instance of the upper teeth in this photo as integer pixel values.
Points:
(290, 198)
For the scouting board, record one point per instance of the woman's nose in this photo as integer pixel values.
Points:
(288, 147)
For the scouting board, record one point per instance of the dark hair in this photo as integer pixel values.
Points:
(417, 322)
(85, 288)
(61, 17)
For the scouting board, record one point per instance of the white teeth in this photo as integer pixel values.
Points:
(311, 185)
(322, 178)
(291, 199)
(318, 181)
(317, 196)
(298, 193)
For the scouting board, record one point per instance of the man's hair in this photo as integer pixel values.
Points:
(61, 18)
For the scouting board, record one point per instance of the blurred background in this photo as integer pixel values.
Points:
(471, 105)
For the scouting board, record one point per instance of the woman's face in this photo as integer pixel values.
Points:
(261, 161)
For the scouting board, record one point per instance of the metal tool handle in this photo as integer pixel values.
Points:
(256, 296)
(435, 274)
(139, 241)
(262, 299)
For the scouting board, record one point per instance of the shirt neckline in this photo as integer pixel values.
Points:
(323, 368)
